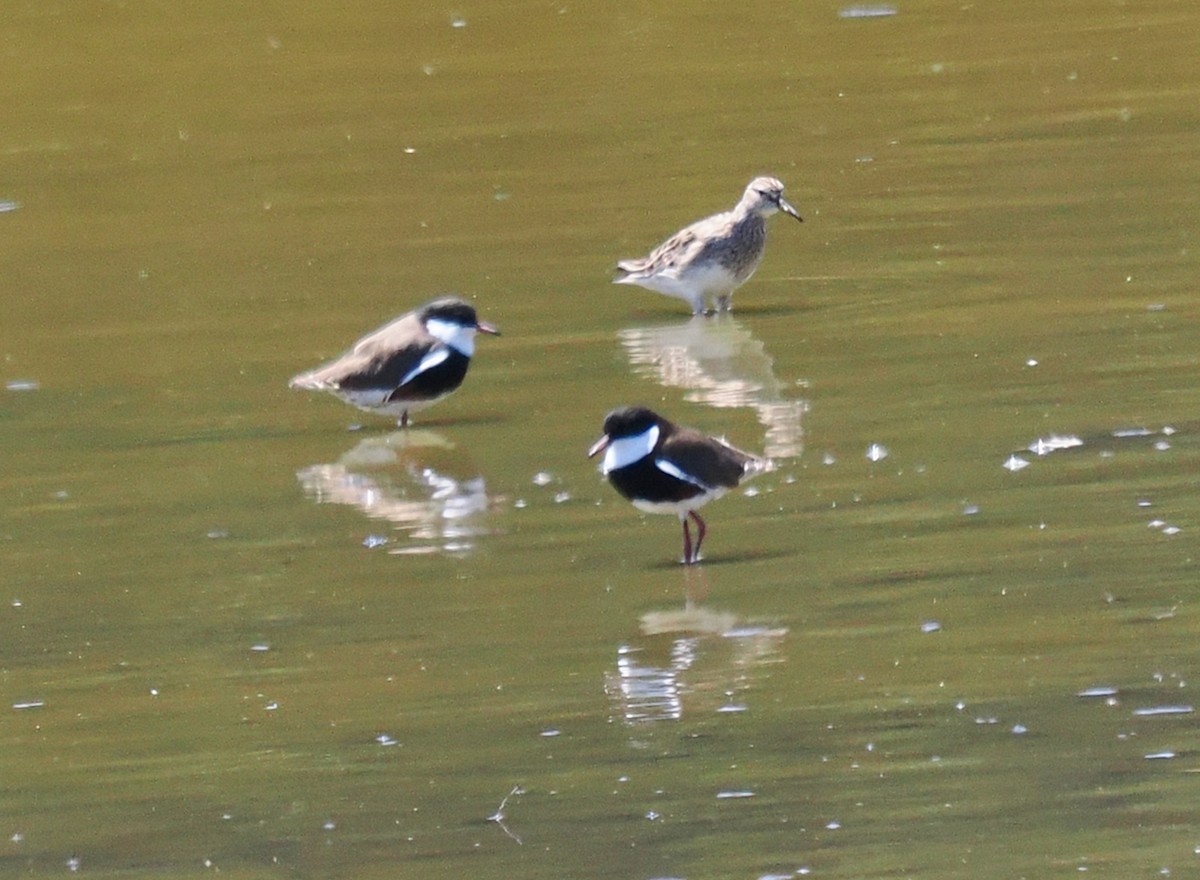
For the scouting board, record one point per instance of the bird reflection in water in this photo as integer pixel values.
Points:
(413, 479)
(721, 364)
(692, 659)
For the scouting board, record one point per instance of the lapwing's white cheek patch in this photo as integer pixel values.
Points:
(458, 337)
(431, 360)
(671, 469)
(625, 451)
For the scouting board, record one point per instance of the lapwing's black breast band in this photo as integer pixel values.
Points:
(644, 481)
(436, 381)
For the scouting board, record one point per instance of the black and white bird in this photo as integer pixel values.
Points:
(406, 365)
(713, 256)
(664, 468)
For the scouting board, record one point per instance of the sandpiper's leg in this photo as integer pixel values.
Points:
(724, 302)
(701, 531)
(404, 419)
(687, 541)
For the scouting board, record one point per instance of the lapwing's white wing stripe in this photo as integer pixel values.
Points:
(673, 470)
(431, 360)
(625, 451)
(458, 337)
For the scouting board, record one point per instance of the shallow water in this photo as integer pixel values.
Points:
(939, 638)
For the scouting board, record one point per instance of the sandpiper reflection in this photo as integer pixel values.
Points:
(721, 364)
(691, 659)
(413, 479)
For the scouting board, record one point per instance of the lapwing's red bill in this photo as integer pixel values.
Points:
(406, 365)
(661, 467)
(598, 447)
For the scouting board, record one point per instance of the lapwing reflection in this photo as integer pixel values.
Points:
(415, 480)
(690, 660)
(719, 362)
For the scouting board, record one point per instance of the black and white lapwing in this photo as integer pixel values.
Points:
(664, 468)
(406, 365)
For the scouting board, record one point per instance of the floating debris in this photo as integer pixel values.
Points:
(260, 648)
(879, 10)
(1100, 690)
(1150, 711)
(1015, 463)
(733, 795)
(1159, 756)
(1019, 729)
(554, 731)
(373, 541)
(877, 452)
(7, 205)
(1163, 526)
(22, 385)
(1054, 443)
(29, 704)
(543, 478)
(931, 626)
(385, 740)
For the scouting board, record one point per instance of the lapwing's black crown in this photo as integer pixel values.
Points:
(453, 309)
(629, 421)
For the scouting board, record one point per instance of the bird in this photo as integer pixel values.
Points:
(662, 467)
(713, 256)
(405, 365)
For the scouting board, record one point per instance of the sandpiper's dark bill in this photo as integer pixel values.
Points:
(714, 256)
(406, 365)
(663, 468)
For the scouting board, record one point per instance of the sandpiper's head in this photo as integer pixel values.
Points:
(765, 195)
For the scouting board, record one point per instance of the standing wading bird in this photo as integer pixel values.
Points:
(406, 365)
(713, 256)
(664, 468)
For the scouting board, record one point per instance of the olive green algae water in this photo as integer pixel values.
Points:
(236, 636)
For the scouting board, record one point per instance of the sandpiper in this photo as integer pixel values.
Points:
(664, 468)
(406, 365)
(713, 256)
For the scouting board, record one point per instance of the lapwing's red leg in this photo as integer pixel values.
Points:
(701, 531)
